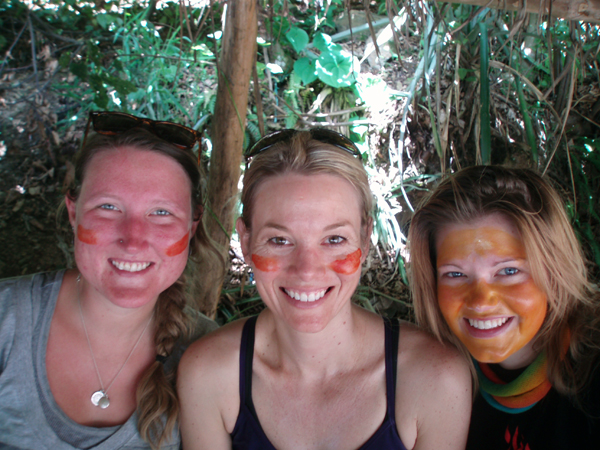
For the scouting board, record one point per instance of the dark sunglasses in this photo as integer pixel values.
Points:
(113, 123)
(323, 135)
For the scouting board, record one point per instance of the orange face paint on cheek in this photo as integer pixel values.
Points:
(348, 265)
(265, 264)
(86, 236)
(178, 247)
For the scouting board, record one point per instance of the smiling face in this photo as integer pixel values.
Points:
(133, 223)
(486, 292)
(305, 247)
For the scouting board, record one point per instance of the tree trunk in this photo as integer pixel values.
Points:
(585, 10)
(229, 122)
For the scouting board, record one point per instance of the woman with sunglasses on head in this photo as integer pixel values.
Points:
(313, 370)
(88, 356)
(496, 268)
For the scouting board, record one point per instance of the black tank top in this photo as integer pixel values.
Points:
(248, 433)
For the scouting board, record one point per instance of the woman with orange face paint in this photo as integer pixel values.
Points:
(314, 370)
(88, 356)
(496, 269)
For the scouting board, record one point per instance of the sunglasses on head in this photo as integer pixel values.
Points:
(323, 135)
(113, 123)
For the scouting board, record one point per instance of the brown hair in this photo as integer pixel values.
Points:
(307, 156)
(554, 254)
(157, 403)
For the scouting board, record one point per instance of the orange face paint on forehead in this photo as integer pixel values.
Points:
(179, 246)
(264, 263)
(86, 236)
(348, 265)
(459, 244)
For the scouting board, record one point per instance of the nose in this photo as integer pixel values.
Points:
(132, 234)
(308, 263)
(481, 296)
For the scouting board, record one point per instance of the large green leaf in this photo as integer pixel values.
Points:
(337, 68)
(306, 70)
(298, 38)
(322, 42)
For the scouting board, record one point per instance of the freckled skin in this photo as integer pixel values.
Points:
(482, 291)
(265, 264)
(349, 264)
(178, 247)
(86, 236)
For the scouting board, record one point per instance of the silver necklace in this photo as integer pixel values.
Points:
(100, 397)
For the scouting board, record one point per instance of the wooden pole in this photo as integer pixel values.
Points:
(584, 10)
(229, 122)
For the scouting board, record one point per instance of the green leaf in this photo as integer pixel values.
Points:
(298, 38)
(105, 20)
(79, 69)
(322, 42)
(123, 87)
(306, 70)
(94, 53)
(337, 68)
(462, 73)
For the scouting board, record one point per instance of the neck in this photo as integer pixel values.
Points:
(108, 319)
(335, 347)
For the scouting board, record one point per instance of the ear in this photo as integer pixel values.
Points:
(244, 235)
(71, 209)
(194, 227)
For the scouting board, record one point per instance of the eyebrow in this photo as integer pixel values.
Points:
(333, 226)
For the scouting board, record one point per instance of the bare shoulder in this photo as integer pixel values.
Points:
(424, 352)
(433, 397)
(208, 382)
(215, 356)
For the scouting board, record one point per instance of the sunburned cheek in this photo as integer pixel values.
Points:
(265, 264)
(86, 236)
(348, 265)
(178, 247)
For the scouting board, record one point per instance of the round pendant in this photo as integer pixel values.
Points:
(104, 402)
(99, 398)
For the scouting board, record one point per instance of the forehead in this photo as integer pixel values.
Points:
(130, 166)
(310, 197)
(491, 232)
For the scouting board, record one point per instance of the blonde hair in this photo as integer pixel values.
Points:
(307, 156)
(157, 403)
(554, 254)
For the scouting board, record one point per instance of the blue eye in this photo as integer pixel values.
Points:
(161, 212)
(454, 274)
(509, 271)
(108, 206)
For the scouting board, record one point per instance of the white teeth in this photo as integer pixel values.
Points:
(130, 267)
(487, 324)
(304, 297)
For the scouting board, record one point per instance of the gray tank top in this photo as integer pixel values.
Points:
(30, 418)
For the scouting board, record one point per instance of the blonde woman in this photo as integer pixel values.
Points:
(88, 356)
(496, 268)
(314, 370)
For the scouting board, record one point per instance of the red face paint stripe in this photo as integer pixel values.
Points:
(86, 236)
(178, 247)
(348, 265)
(265, 264)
